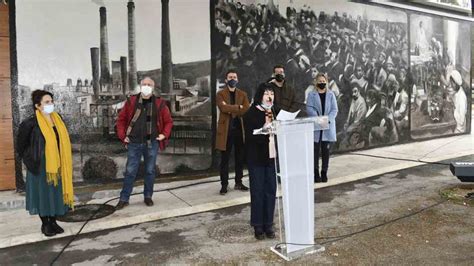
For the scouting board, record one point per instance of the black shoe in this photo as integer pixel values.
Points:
(270, 233)
(240, 186)
(259, 234)
(57, 229)
(223, 190)
(121, 205)
(324, 176)
(317, 178)
(48, 230)
(148, 202)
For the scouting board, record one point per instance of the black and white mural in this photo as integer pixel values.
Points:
(398, 75)
(362, 48)
(92, 54)
(440, 56)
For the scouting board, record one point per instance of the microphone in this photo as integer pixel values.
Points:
(269, 112)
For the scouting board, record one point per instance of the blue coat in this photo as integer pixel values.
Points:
(313, 108)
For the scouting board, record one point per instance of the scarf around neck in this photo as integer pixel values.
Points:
(58, 157)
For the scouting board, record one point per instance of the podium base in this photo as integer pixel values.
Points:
(281, 251)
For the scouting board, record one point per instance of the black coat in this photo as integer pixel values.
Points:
(256, 146)
(285, 97)
(30, 144)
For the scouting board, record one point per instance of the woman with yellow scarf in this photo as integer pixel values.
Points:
(43, 144)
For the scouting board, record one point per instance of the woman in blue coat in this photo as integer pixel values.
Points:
(321, 102)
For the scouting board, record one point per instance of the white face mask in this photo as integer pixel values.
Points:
(48, 108)
(266, 106)
(146, 90)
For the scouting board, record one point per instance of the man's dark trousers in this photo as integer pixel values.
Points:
(233, 141)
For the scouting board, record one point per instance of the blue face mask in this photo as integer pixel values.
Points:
(232, 83)
(48, 108)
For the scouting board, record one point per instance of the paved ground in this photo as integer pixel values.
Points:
(204, 197)
(440, 235)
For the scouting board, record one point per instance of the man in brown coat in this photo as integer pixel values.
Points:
(232, 103)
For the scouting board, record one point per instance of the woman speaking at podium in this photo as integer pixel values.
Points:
(261, 155)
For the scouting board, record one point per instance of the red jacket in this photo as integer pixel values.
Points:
(164, 123)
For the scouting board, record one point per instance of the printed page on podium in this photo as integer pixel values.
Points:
(285, 116)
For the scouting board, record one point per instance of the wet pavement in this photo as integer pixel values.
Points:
(394, 218)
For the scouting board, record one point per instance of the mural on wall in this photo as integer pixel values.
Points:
(92, 54)
(440, 56)
(362, 48)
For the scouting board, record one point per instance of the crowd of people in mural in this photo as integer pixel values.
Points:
(365, 61)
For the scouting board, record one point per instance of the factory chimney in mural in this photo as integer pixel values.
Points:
(95, 71)
(123, 69)
(104, 49)
(132, 60)
(166, 62)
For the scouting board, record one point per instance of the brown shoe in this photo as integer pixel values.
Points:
(121, 205)
(148, 202)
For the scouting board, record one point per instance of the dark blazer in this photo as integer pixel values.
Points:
(30, 144)
(256, 146)
(285, 97)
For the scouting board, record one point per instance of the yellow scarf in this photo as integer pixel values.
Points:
(58, 162)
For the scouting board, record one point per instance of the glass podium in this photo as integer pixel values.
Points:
(295, 167)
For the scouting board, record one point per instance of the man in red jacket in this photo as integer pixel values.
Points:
(144, 126)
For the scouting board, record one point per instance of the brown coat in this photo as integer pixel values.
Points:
(227, 111)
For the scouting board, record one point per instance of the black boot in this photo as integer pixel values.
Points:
(57, 229)
(240, 186)
(259, 233)
(324, 176)
(317, 178)
(223, 190)
(46, 227)
(270, 232)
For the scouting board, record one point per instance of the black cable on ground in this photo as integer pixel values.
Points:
(341, 237)
(116, 198)
(398, 159)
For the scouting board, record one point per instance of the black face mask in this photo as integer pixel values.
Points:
(232, 83)
(279, 77)
(321, 85)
